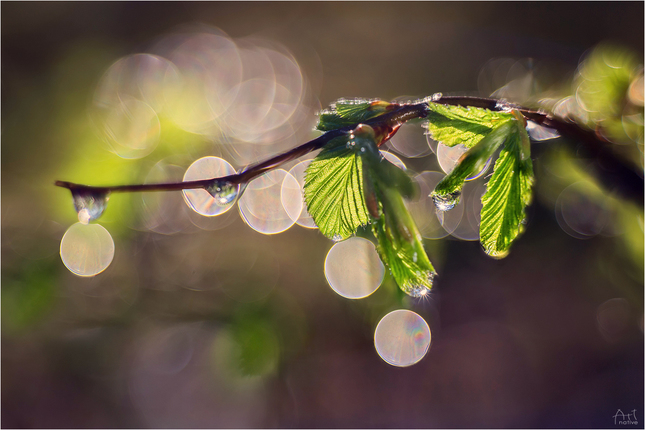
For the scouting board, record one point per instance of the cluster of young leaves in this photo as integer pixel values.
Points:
(509, 190)
(350, 184)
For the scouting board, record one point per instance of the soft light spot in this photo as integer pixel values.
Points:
(87, 250)
(261, 204)
(353, 268)
(298, 172)
(402, 338)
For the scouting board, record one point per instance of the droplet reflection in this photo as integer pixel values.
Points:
(353, 268)
(87, 250)
(402, 338)
(89, 205)
(202, 201)
(445, 202)
(433, 224)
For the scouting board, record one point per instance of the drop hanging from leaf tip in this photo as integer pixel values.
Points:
(445, 202)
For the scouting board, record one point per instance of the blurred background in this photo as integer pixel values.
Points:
(229, 320)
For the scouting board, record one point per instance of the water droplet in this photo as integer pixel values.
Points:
(200, 200)
(419, 291)
(224, 192)
(414, 257)
(337, 238)
(497, 255)
(445, 202)
(89, 205)
(503, 105)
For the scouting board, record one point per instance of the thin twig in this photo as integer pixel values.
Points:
(615, 173)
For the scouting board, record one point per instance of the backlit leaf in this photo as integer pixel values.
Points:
(347, 112)
(400, 246)
(452, 125)
(334, 192)
(473, 161)
(507, 194)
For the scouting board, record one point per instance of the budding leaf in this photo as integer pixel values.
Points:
(334, 191)
(472, 161)
(452, 125)
(507, 194)
(400, 245)
(349, 112)
(350, 184)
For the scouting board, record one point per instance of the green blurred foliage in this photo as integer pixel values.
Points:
(28, 295)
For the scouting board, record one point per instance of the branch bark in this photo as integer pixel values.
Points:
(614, 173)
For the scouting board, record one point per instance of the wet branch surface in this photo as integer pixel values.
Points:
(612, 172)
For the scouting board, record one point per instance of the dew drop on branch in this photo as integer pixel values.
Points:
(219, 197)
(224, 192)
(89, 205)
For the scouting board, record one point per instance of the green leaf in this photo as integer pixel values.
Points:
(447, 192)
(345, 112)
(454, 125)
(400, 245)
(334, 191)
(507, 195)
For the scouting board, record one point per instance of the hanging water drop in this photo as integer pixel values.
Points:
(496, 254)
(417, 291)
(224, 192)
(89, 205)
(445, 202)
(422, 288)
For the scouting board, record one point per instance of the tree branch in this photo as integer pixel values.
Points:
(613, 172)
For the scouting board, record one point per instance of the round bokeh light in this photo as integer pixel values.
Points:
(402, 338)
(87, 249)
(353, 268)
